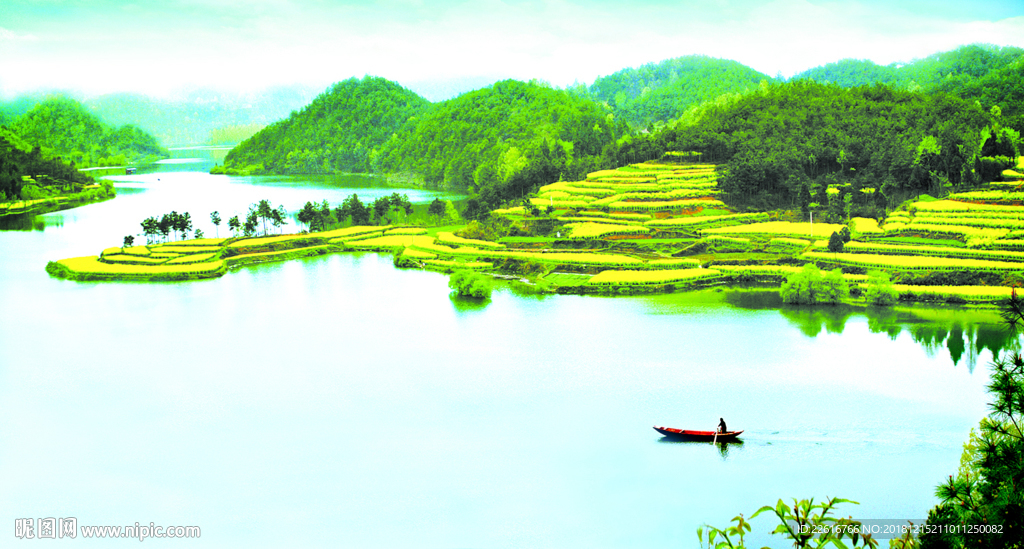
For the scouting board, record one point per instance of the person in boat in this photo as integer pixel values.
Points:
(721, 425)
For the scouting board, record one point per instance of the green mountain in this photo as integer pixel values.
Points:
(811, 145)
(1002, 88)
(949, 70)
(62, 127)
(509, 137)
(340, 131)
(662, 91)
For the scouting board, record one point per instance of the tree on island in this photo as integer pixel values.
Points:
(470, 284)
(252, 221)
(354, 209)
(234, 224)
(128, 241)
(183, 224)
(436, 210)
(277, 217)
(215, 218)
(264, 212)
(307, 214)
(810, 287)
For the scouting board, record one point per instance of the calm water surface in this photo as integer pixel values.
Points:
(339, 402)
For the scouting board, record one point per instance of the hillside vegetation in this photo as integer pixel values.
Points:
(509, 137)
(63, 128)
(342, 130)
(657, 92)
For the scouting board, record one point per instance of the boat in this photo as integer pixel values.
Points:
(702, 436)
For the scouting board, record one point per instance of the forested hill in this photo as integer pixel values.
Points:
(18, 160)
(63, 128)
(505, 138)
(340, 131)
(662, 91)
(846, 151)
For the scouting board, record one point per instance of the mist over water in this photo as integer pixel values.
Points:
(339, 402)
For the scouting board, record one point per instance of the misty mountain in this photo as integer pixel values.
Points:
(196, 117)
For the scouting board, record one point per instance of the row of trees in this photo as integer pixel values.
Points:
(166, 225)
(176, 224)
(384, 210)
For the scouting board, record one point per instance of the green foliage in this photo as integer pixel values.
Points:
(19, 160)
(353, 210)
(835, 243)
(502, 141)
(986, 491)
(342, 130)
(880, 290)
(805, 524)
(470, 284)
(657, 92)
(810, 287)
(941, 71)
(62, 127)
(786, 147)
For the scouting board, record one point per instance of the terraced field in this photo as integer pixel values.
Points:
(647, 228)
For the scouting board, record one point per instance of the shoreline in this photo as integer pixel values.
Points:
(188, 260)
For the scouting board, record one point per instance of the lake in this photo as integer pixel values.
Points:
(339, 402)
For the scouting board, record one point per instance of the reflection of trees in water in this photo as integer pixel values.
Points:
(811, 320)
(24, 222)
(962, 334)
(963, 341)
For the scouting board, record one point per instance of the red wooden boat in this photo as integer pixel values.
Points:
(703, 436)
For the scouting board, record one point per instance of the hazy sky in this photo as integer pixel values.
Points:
(98, 46)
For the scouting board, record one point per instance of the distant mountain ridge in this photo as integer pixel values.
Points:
(62, 127)
(196, 118)
(930, 73)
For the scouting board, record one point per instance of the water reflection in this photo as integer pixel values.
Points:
(468, 304)
(723, 448)
(24, 222)
(962, 333)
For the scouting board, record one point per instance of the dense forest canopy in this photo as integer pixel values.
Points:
(63, 128)
(342, 130)
(806, 145)
(500, 136)
(23, 169)
(661, 91)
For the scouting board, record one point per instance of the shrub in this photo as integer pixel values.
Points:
(470, 284)
(880, 290)
(809, 287)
